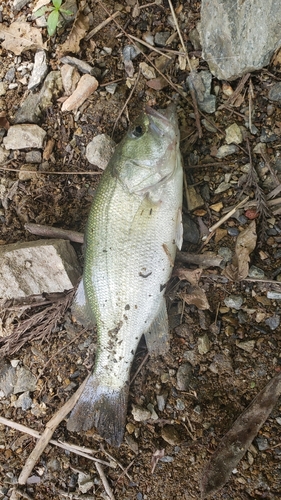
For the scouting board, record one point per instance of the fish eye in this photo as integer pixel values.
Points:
(138, 131)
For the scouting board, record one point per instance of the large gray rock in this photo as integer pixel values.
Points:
(239, 37)
(36, 267)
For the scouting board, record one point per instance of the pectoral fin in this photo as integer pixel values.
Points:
(157, 336)
(80, 309)
(179, 229)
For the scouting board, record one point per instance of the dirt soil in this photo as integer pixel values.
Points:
(232, 352)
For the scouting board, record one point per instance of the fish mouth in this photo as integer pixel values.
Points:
(165, 117)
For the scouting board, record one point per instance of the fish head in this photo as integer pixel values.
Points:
(148, 152)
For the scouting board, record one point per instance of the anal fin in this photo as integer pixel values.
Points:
(157, 336)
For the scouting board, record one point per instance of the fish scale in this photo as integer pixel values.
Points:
(131, 237)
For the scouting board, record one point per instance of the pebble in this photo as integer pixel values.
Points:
(86, 86)
(70, 78)
(256, 272)
(222, 187)
(225, 253)
(184, 375)
(268, 135)
(161, 38)
(208, 125)
(85, 482)
(24, 401)
(100, 150)
(13, 86)
(140, 414)
(33, 157)
(274, 93)
(203, 344)
(19, 4)
(234, 301)
(226, 150)
(147, 71)
(25, 381)
(3, 155)
(190, 230)
(278, 420)
(27, 172)
(273, 322)
(130, 428)
(24, 136)
(10, 75)
(274, 295)
(201, 83)
(161, 400)
(247, 346)
(170, 435)
(180, 405)
(40, 69)
(233, 134)
(82, 66)
(232, 231)
(131, 442)
(262, 443)
(153, 413)
(7, 378)
(3, 87)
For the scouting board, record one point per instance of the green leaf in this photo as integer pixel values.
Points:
(39, 12)
(53, 22)
(67, 12)
(57, 4)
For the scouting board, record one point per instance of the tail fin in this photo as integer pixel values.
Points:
(101, 407)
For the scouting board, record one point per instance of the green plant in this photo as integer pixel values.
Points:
(54, 13)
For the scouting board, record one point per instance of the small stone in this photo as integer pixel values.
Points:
(161, 400)
(12, 86)
(201, 82)
(70, 78)
(85, 482)
(19, 4)
(194, 199)
(161, 38)
(256, 272)
(262, 443)
(86, 86)
(225, 253)
(33, 157)
(247, 346)
(222, 187)
(217, 207)
(234, 301)
(274, 295)
(131, 442)
(203, 344)
(184, 375)
(25, 381)
(232, 231)
(147, 71)
(153, 414)
(7, 378)
(10, 75)
(130, 428)
(24, 136)
(40, 69)
(24, 401)
(170, 435)
(267, 135)
(274, 93)
(208, 125)
(191, 232)
(180, 405)
(273, 322)
(227, 150)
(3, 88)
(3, 155)
(27, 172)
(100, 150)
(233, 134)
(278, 420)
(53, 465)
(140, 414)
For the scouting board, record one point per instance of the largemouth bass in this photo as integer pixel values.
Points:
(133, 230)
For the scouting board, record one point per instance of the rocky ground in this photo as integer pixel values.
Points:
(225, 334)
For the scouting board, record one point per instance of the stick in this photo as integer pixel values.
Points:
(102, 25)
(104, 481)
(47, 434)
(39, 172)
(151, 47)
(228, 215)
(54, 232)
(179, 33)
(78, 450)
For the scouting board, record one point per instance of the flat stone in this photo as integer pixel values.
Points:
(161, 38)
(203, 344)
(24, 401)
(226, 150)
(3, 155)
(27, 172)
(201, 84)
(170, 435)
(161, 400)
(234, 301)
(273, 322)
(222, 187)
(262, 443)
(33, 157)
(40, 69)
(82, 66)
(247, 346)
(239, 37)
(7, 378)
(191, 232)
(24, 136)
(3, 88)
(70, 78)
(36, 267)
(140, 414)
(86, 86)
(233, 134)
(25, 380)
(256, 272)
(19, 4)
(100, 150)
(274, 93)
(184, 375)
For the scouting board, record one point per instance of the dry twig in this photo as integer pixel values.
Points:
(54, 232)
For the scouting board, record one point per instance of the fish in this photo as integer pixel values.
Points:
(132, 233)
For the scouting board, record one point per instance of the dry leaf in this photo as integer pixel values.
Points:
(78, 32)
(235, 443)
(157, 83)
(195, 296)
(19, 37)
(193, 276)
(245, 244)
(136, 10)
